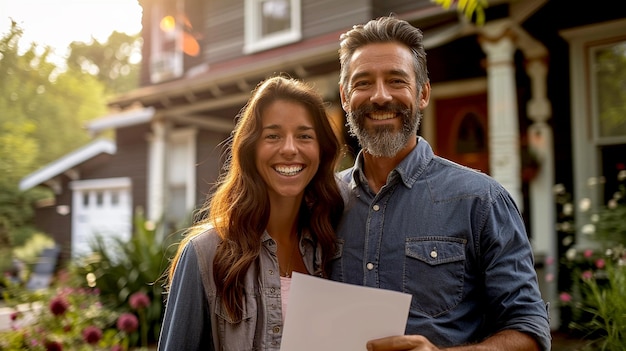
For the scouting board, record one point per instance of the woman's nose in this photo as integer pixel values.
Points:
(289, 146)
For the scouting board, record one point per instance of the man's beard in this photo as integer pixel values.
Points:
(383, 141)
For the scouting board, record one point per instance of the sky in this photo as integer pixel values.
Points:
(57, 23)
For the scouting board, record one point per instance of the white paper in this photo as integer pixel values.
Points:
(328, 315)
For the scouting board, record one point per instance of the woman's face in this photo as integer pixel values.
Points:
(288, 151)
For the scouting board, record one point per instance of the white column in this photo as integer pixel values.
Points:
(504, 155)
(542, 205)
(156, 171)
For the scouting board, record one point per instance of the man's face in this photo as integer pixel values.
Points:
(382, 98)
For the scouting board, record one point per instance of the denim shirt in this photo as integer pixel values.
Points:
(195, 317)
(450, 236)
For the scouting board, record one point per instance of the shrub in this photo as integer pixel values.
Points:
(594, 299)
(120, 268)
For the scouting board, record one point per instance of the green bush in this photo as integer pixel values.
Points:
(593, 302)
(135, 266)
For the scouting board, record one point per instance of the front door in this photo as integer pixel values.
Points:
(462, 130)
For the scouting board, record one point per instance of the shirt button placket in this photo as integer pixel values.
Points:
(373, 235)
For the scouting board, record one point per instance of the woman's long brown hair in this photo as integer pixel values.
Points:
(239, 208)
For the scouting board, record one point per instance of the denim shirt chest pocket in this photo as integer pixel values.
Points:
(238, 335)
(434, 273)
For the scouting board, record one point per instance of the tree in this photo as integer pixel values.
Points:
(116, 63)
(472, 9)
(42, 115)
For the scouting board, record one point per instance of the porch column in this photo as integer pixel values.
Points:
(542, 205)
(156, 171)
(504, 151)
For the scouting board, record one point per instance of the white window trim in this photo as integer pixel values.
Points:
(189, 136)
(253, 40)
(104, 183)
(586, 160)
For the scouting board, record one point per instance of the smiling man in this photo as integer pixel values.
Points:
(417, 223)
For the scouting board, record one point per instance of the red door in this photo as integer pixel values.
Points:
(462, 131)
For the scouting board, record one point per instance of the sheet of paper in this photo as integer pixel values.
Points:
(327, 315)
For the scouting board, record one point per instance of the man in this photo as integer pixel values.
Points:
(450, 236)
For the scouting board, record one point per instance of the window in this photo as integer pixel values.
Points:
(598, 79)
(271, 23)
(166, 56)
(181, 180)
(608, 77)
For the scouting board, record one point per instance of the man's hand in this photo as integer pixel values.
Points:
(401, 343)
(509, 340)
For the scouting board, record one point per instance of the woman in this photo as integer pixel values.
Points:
(274, 212)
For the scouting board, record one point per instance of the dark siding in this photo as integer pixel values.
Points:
(210, 148)
(131, 160)
(57, 226)
(225, 23)
(327, 16)
(385, 7)
(224, 30)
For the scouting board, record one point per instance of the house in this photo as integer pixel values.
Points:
(526, 98)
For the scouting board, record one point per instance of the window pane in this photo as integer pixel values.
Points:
(610, 70)
(275, 16)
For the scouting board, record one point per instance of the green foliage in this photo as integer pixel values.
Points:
(113, 63)
(58, 318)
(121, 268)
(594, 303)
(606, 301)
(472, 9)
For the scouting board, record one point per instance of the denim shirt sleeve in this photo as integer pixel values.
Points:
(186, 325)
(511, 284)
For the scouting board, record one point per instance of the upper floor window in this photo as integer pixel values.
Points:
(271, 23)
(166, 55)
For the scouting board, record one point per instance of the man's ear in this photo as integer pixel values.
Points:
(425, 96)
(345, 104)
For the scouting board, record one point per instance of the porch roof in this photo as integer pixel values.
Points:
(66, 163)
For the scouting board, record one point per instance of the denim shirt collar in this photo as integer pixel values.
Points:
(409, 169)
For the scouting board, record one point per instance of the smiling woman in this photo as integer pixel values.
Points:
(58, 23)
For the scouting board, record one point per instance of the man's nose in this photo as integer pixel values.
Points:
(380, 94)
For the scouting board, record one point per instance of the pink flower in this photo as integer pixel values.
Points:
(59, 305)
(15, 315)
(586, 275)
(600, 263)
(588, 253)
(139, 300)
(127, 322)
(565, 297)
(117, 348)
(53, 346)
(92, 334)
(549, 260)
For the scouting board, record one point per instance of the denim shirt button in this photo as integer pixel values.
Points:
(376, 207)
(272, 290)
(271, 272)
(276, 329)
(370, 266)
(433, 254)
